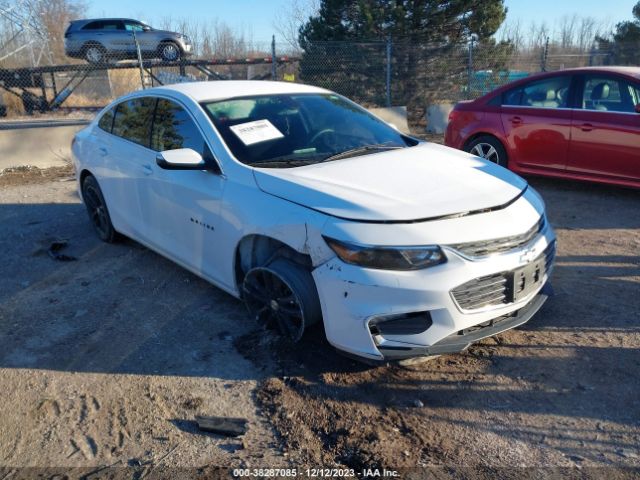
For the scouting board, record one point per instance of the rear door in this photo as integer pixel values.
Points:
(605, 137)
(131, 158)
(114, 36)
(537, 122)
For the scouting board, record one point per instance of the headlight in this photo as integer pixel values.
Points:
(387, 258)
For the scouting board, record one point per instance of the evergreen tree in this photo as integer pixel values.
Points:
(625, 43)
(345, 46)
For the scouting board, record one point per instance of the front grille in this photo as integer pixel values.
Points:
(500, 245)
(550, 255)
(482, 292)
(496, 289)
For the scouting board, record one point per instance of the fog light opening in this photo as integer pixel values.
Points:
(412, 323)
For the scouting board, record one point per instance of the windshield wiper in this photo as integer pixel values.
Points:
(352, 152)
(285, 160)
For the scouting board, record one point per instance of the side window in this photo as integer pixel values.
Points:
(173, 128)
(635, 90)
(112, 25)
(104, 25)
(133, 120)
(608, 94)
(512, 97)
(132, 26)
(548, 93)
(93, 26)
(106, 121)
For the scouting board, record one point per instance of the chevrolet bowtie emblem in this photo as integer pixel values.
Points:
(528, 255)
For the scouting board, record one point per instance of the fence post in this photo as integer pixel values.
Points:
(135, 39)
(545, 54)
(470, 68)
(388, 72)
(273, 58)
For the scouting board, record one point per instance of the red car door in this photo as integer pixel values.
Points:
(605, 132)
(537, 123)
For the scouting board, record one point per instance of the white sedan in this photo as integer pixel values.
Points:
(309, 208)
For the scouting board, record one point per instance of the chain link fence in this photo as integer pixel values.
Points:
(388, 72)
(395, 73)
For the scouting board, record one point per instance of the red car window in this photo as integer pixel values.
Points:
(608, 94)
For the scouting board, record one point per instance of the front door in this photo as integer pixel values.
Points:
(182, 207)
(138, 34)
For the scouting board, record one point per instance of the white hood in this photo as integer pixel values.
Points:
(421, 182)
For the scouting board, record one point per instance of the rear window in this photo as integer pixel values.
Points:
(106, 121)
(133, 120)
(104, 25)
(608, 94)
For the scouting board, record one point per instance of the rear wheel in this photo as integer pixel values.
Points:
(282, 294)
(97, 210)
(489, 148)
(95, 54)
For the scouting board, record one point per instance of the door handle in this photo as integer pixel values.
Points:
(147, 170)
(586, 127)
(515, 120)
(103, 151)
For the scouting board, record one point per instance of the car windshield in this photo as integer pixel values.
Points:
(298, 129)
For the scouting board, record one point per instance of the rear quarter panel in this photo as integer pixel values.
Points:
(473, 120)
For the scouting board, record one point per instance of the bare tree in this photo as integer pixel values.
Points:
(538, 34)
(513, 33)
(213, 38)
(567, 31)
(289, 19)
(49, 20)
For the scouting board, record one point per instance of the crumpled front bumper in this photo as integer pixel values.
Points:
(355, 299)
(461, 340)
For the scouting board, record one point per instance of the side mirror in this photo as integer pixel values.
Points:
(181, 159)
(637, 108)
(146, 28)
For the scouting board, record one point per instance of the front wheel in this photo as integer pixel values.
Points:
(97, 210)
(489, 148)
(282, 294)
(169, 52)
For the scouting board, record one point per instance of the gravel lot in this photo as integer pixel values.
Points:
(107, 359)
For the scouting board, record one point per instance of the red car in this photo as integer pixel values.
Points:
(581, 124)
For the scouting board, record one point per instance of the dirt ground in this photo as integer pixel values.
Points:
(106, 360)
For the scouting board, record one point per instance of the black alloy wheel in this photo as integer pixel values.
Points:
(97, 210)
(282, 294)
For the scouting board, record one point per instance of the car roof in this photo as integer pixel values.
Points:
(88, 20)
(632, 71)
(629, 71)
(223, 89)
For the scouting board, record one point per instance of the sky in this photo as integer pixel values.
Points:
(257, 17)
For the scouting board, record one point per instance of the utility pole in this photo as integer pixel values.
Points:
(470, 67)
(545, 55)
(388, 79)
(274, 73)
(135, 39)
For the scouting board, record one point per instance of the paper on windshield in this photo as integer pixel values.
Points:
(256, 132)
